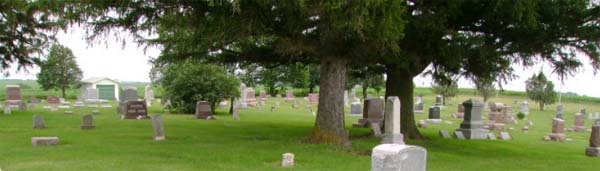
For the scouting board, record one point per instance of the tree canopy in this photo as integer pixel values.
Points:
(540, 89)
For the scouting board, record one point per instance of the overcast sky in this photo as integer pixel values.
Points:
(130, 63)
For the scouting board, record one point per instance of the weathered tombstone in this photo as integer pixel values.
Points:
(439, 100)
(525, 107)
(558, 130)
(44, 141)
(392, 122)
(505, 136)
(459, 135)
(372, 112)
(579, 122)
(419, 107)
(134, 110)
(159, 129)
(559, 111)
(422, 124)
(204, 110)
(445, 134)
(129, 94)
(287, 160)
(68, 112)
(250, 96)
(148, 95)
(313, 98)
(87, 122)
(594, 149)
(236, 111)
(472, 126)
(35, 100)
(243, 100)
(355, 109)
(398, 157)
(39, 122)
(95, 112)
(376, 128)
(90, 94)
(263, 96)
(491, 136)
(346, 99)
(14, 98)
(460, 112)
(289, 97)
(54, 102)
(434, 115)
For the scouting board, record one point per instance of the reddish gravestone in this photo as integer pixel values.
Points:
(53, 100)
(290, 96)
(135, 110)
(14, 98)
(250, 96)
(313, 97)
(204, 111)
(263, 96)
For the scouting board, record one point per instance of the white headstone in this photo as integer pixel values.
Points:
(398, 157)
(287, 160)
(392, 121)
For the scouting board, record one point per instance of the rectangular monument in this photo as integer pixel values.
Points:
(398, 157)
(434, 115)
(372, 113)
(159, 129)
(558, 130)
(579, 123)
(313, 98)
(392, 122)
(460, 112)
(355, 109)
(134, 110)
(250, 96)
(87, 122)
(14, 99)
(594, 149)
(39, 122)
(204, 110)
(289, 97)
(472, 126)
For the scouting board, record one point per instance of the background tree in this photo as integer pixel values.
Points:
(485, 89)
(541, 90)
(190, 81)
(447, 90)
(367, 77)
(59, 71)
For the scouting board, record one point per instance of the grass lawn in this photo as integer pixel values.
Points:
(257, 141)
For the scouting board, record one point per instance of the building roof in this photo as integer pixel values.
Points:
(97, 79)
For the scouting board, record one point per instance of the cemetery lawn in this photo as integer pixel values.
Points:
(257, 141)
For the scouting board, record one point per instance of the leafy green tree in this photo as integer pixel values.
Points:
(447, 90)
(541, 90)
(367, 77)
(60, 70)
(190, 81)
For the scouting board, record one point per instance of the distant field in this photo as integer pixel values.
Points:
(30, 88)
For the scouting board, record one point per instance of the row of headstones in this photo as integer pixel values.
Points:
(88, 123)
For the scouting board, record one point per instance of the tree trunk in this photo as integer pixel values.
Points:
(399, 83)
(311, 88)
(64, 95)
(541, 106)
(365, 88)
(443, 100)
(231, 105)
(330, 125)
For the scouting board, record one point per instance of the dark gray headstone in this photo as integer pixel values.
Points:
(39, 122)
(472, 125)
(134, 110)
(129, 94)
(87, 122)
(434, 113)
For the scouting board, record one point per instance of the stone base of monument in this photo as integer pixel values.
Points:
(398, 157)
(434, 121)
(393, 139)
(363, 123)
(206, 117)
(579, 128)
(557, 137)
(592, 151)
(458, 115)
(474, 133)
(43, 141)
